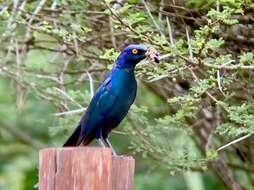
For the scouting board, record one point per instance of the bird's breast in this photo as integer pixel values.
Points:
(125, 87)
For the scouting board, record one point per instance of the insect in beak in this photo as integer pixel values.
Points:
(153, 55)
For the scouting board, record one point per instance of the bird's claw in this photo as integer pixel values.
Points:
(113, 152)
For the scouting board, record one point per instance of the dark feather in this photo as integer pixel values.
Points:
(74, 138)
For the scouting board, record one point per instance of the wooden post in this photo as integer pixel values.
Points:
(84, 168)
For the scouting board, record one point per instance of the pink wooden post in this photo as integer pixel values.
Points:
(84, 168)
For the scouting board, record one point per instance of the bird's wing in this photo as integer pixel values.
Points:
(100, 106)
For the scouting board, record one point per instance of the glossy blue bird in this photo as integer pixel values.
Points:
(111, 101)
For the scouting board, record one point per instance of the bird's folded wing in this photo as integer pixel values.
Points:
(100, 106)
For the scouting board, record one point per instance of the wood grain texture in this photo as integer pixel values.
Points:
(47, 167)
(84, 168)
(123, 171)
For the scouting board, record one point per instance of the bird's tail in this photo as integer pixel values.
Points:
(74, 139)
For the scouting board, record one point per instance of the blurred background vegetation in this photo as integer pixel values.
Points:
(54, 53)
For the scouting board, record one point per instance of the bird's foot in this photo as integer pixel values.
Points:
(113, 152)
(101, 143)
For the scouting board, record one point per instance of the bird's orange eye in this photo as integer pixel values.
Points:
(134, 51)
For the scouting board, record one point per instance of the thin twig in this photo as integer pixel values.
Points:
(52, 78)
(70, 112)
(112, 32)
(198, 81)
(234, 142)
(219, 82)
(75, 43)
(230, 67)
(218, 5)
(151, 16)
(91, 84)
(170, 34)
(126, 25)
(69, 97)
(189, 44)
(160, 9)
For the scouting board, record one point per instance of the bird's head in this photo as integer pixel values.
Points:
(131, 55)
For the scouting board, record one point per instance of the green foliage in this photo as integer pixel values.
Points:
(224, 16)
(211, 154)
(247, 57)
(110, 54)
(241, 121)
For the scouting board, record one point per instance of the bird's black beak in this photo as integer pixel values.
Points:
(156, 59)
(153, 55)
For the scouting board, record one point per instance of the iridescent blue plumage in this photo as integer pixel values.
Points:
(111, 101)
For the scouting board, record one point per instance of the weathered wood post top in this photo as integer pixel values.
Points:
(84, 168)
